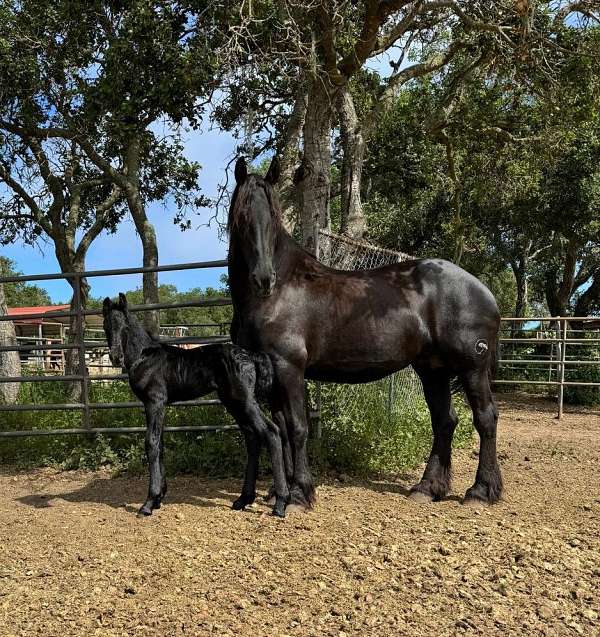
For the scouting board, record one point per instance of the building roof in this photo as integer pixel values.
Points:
(24, 311)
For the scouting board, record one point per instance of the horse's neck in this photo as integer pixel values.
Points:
(137, 340)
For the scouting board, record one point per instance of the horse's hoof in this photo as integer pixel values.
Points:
(297, 508)
(478, 496)
(238, 505)
(420, 498)
(278, 512)
(144, 512)
(474, 502)
(302, 498)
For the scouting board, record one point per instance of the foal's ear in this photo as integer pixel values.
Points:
(241, 171)
(272, 175)
(106, 305)
(123, 303)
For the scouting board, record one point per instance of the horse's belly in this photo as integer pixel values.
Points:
(345, 372)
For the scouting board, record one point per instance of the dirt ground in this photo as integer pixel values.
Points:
(75, 560)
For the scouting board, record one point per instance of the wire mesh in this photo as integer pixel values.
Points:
(394, 394)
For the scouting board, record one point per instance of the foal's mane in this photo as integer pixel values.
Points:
(240, 203)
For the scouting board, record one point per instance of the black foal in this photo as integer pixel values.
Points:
(160, 374)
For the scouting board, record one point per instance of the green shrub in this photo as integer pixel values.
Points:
(590, 396)
(363, 432)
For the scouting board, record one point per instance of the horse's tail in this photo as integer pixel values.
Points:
(265, 374)
(493, 360)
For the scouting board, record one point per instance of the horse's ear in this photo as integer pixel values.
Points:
(106, 305)
(241, 171)
(272, 175)
(123, 303)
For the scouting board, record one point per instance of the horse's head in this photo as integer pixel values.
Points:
(116, 319)
(254, 221)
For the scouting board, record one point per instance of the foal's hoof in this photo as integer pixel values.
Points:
(242, 502)
(238, 505)
(144, 512)
(420, 498)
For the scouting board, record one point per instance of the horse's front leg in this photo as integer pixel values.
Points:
(155, 416)
(291, 382)
(288, 458)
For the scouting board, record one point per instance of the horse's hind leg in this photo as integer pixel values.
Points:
(488, 481)
(435, 483)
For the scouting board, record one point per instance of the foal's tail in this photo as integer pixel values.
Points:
(264, 374)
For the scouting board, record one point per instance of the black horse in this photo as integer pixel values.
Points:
(354, 327)
(160, 374)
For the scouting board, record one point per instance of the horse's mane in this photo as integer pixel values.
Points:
(240, 203)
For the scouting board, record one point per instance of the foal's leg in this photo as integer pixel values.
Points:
(253, 451)
(488, 480)
(155, 415)
(163, 484)
(435, 483)
(248, 415)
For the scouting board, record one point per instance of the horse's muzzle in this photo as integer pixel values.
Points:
(264, 285)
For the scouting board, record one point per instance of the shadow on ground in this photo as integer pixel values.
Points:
(128, 492)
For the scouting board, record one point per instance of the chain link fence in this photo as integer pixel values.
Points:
(395, 394)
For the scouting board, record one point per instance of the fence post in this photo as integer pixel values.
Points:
(86, 424)
(563, 352)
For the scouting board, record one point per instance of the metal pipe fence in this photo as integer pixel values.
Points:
(81, 346)
(559, 335)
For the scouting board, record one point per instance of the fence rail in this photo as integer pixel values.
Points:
(82, 346)
(559, 338)
(557, 360)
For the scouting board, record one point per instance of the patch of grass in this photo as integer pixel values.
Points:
(363, 433)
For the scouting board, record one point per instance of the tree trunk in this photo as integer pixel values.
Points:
(147, 235)
(314, 175)
(10, 362)
(559, 290)
(519, 268)
(290, 157)
(73, 363)
(589, 301)
(352, 216)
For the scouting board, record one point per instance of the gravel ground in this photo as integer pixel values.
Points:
(75, 560)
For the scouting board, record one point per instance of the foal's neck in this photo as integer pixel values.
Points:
(137, 339)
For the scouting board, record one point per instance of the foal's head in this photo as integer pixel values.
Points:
(254, 220)
(116, 320)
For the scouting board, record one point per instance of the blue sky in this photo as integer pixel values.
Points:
(213, 150)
